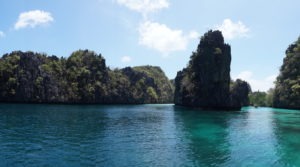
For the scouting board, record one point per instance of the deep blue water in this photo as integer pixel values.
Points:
(146, 135)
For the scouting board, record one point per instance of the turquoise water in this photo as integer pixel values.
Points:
(146, 135)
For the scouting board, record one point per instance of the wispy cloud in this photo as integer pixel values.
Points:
(2, 34)
(162, 38)
(233, 30)
(33, 18)
(155, 35)
(257, 84)
(144, 6)
(126, 59)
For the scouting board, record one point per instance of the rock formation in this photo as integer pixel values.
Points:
(81, 78)
(287, 89)
(205, 82)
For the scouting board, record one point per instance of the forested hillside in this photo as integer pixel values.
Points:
(83, 77)
(287, 89)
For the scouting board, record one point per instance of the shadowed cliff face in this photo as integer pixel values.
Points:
(206, 81)
(81, 78)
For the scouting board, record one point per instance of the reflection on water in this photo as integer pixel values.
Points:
(146, 135)
(205, 135)
(252, 139)
(287, 123)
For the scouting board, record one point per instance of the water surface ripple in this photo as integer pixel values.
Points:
(146, 135)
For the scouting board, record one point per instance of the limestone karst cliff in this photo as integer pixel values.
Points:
(205, 82)
(83, 77)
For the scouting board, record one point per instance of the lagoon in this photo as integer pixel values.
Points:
(146, 135)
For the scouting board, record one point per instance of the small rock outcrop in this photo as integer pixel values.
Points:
(239, 94)
(205, 82)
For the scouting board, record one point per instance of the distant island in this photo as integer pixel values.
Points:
(81, 78)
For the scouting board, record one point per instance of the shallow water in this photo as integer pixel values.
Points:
(146, 135)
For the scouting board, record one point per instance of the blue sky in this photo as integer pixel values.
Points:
(155, 32)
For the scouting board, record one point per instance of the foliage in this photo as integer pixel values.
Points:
(239, 91)
(287, 90)
(81, 78)
(263, 99)
(258, 98)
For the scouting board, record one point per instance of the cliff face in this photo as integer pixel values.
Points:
(24, 78)
(82, 78)
(137, 85)
(205, 83)
(239, 94)
(287, 89)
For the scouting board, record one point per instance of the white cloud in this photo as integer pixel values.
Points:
(162, 38)
(33, 18)
(155, 35)
(194, 35)
(144, 6)
(256, 84)
(126, 59)
(2, 34)
(232, 30)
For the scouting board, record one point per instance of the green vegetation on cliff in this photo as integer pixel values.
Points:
(239, 93)
(262, 99)
(81, 78)
(287, 89)
(205, 82)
